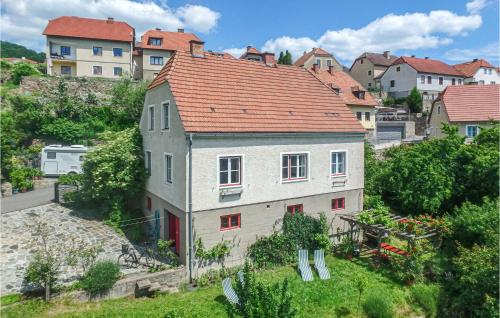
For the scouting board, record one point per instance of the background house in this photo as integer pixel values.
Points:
(470, 107)
(479, 71)
(369, 66)
(360, 102)
(320, 57)
(156, 47)
(231, 141)
(429, 76)
(89, 47)
(252, 54)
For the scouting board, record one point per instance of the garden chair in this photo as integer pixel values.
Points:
(319, 263)
(229, 292)
(305, 269)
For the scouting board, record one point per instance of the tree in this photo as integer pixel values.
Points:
(280, 59)
(15, 50)
(128, 100)
(285, 58)
(414, 101)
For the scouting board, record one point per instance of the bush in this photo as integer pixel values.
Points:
(379, 305)
(21, 178)
(427, 297)
(272, 250)
(42, 272)
(100, 277)
(414, 101)
(23, 69)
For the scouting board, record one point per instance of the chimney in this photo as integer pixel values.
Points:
(110, 20)
(180, 30)
(387, 54)
(268, 58)
(413, 56)
(426, 57)
(158, 29)
(249, 47)
(315, 68)
(196, 48)
(474, 60)
(331, 69)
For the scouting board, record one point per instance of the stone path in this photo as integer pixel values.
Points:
(15, 238)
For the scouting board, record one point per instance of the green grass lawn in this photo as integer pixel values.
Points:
(317, 298)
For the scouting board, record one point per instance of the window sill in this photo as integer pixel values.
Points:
(229, 229)
(230, 186)
(337, 210)
(338, 176)
(294, 180)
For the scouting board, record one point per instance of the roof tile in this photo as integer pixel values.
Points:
(428, 66)
(171, 41)
(472, 103)
(470, 68)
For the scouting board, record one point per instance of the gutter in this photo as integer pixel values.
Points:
(190, 205)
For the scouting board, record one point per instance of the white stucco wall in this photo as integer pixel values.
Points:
(159, 142)
(312, 60)
(405, 79)
(261, 178)
(149, 70)
(487, 78)
(435, 86)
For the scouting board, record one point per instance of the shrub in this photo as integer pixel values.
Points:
(427, 297)
(42, 272)
(23, 69)
(414, 101)
(378, 305)
(100, 277)
(300, 229)
(70, 179)
(272, 250)
(19, 177)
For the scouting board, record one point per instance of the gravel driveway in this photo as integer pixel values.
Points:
(15, 238)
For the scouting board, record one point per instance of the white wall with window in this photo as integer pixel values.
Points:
(167, 168)
(471, 131)
(151, 117)
(294, 167)
(230, 170)
(165, 115)
(338, 163)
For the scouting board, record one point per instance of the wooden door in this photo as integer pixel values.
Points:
(174, 231)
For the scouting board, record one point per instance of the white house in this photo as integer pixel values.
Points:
(469, 107)
(429, 76)
(479, 71)
(231, 147)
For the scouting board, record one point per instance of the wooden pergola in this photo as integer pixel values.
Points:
(380, 231)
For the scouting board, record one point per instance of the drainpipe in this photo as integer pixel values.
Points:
(190, 206)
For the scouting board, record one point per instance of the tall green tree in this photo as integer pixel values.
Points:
(288, 58)
(281, 57)
(414, 101)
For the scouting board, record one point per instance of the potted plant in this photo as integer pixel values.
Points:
(347, 247)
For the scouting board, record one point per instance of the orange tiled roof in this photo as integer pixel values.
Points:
(90, 29)
(315, 51)
(216, 94)
(377, 59)
(428, 66)
(471, 103)
(18, 59)
(171, 41)
(345, 82)
(470, 68)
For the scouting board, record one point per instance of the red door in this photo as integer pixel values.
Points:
(173, 231)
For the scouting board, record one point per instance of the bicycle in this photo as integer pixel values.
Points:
(129, 258)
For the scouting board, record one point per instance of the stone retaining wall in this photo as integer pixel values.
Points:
(165, 281)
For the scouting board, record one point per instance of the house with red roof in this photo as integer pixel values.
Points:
(479, 71)
(320, 57)
(469, 107)
(156, 47)
(429, 76)
(231, 145)
(360, 102)
(89, 47)
(368, 67)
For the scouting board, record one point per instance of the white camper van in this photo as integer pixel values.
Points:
(57, 159)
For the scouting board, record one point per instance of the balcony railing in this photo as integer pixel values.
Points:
(57, 56)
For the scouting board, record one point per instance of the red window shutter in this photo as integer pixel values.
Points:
(149, 204)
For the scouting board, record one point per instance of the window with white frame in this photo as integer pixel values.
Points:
(168, 168)
(156, 60)
(97, 70)
(338, 163)
(229, 171)
(471, 131)
(117, 51)
(165, 117)
(422, 79)
(147, 162)
(151, 117)
(328, 63)
(294, 166)
(318, 62)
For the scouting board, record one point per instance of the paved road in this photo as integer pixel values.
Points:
(29, 199)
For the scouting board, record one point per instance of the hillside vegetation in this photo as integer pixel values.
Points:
(15, 50)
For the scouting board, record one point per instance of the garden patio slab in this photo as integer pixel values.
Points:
(15, 238)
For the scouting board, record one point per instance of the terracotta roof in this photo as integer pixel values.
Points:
(315, 51)
(18, 59)
(215, 94)
(428, 66)
(471, 103)
(345, 82)
(221, 54)
(171, 41)
(90, 29)
(470, 68)
(378, 58)
(250, 50)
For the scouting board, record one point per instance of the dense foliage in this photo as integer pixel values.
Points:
(23, 69)
(299, 231)
(285, 58)
(15, 50)
(414, 101)
(261, 300)
(100, 277)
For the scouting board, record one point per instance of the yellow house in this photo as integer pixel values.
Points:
(89, 47)
(360, 102)
(469, 107)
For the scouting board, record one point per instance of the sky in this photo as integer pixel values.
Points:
(451, 30)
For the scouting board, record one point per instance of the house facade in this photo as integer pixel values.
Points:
(155, 49)
(360, 102)
(320, 57)
(232, 150)
(469, 107)
(89, 47)
(478, 71)
(368, 67)
(429, 76)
